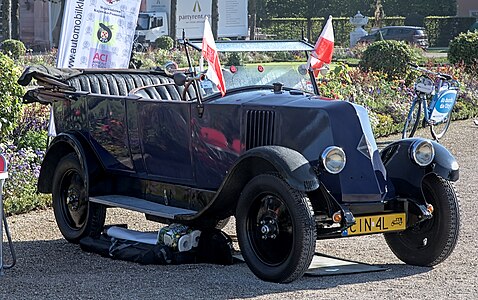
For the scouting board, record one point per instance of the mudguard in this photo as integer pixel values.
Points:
(61, 145)
(293, 167)
(407, 176)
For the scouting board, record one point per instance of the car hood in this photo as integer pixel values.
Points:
(309, 124)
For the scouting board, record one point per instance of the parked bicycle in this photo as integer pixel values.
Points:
(436, 98)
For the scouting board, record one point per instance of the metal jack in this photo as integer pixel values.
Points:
(3, 220)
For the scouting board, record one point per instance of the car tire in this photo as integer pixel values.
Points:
(430, 242)
(75, 216)
(275, 229)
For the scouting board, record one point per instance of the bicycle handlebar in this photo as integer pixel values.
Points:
(439, 75)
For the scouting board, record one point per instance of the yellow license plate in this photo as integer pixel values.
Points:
(376, 224)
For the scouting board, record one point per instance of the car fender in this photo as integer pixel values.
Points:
(292, 166)
(406, 175)
(60, 146)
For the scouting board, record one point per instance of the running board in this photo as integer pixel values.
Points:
(141, 205)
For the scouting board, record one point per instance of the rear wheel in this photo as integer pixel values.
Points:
(411, 123)
(430, 242)
(439, 130)
(75, 215)
(275, 229)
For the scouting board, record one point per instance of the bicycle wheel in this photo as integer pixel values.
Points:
(439, 130)
(411, 123)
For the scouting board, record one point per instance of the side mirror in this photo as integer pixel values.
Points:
(179, 79)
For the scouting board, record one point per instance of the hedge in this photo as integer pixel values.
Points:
(292, 28)
(441, 30)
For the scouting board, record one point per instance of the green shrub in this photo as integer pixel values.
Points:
(164, 42)
(233, 59)
(464, 49)
(10, 95)
(390, 58)
(13, 48)
(441, 30)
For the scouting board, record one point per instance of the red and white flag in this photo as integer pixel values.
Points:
(324, 47)
(209, 52)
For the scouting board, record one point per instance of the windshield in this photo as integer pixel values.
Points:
(143, 22)
(291, 75)
(260, 63)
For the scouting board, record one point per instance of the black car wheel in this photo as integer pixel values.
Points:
(430, 242)
(275, 229)
(75, 215)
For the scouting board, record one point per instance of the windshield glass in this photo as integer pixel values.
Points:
(143, 22)
(292, 75)
(259, 63)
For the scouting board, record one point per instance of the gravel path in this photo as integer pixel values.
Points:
(50, 268)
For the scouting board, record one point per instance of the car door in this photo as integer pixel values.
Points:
(108, 131)
(165, 139)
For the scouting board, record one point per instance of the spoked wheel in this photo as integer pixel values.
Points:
(75, 215)
(439, 130)
(413, 117)
(275, 229)
(430, 242)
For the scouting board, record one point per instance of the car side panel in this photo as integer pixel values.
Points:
(216, 143)
(108, 131)
(165, 134)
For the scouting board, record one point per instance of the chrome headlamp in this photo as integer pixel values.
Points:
(422, 152)
(333, 159)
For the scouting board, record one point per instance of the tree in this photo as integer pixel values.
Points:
(7, 19)
(214, 17)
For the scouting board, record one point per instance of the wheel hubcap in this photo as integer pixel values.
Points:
(270, 230)
(74, 204)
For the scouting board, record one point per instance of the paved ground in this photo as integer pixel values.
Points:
(50, 268)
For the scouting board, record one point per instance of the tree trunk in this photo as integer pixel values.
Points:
(215, 18)
(7, 19)
(253, 16)
(172, 22)
(15, 20)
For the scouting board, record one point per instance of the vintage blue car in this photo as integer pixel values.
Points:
(292, 167)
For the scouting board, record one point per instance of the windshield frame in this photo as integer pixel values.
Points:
(258, 45)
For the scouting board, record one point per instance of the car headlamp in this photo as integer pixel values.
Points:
(333, 159)
(422, 152)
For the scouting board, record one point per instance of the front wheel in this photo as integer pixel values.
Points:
(75, 215)
(430, 242)
(413, 117)
(439, 130)
(275, 229)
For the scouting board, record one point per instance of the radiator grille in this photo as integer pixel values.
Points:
(259, 128)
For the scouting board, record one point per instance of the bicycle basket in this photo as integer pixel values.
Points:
(424, 85)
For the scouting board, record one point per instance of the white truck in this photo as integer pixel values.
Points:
(189, 15)
(150, 26)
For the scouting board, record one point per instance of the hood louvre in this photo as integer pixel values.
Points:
(259, 128)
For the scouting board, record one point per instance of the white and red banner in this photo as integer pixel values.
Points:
(324, 47)
(209, 52)
(97, 33)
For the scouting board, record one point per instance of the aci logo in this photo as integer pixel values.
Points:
(197, 7)
(104, 33)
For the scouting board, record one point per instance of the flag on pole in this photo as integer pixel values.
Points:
(209, 52)
(324, 47)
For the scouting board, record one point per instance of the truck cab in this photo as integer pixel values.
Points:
(150, 26)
